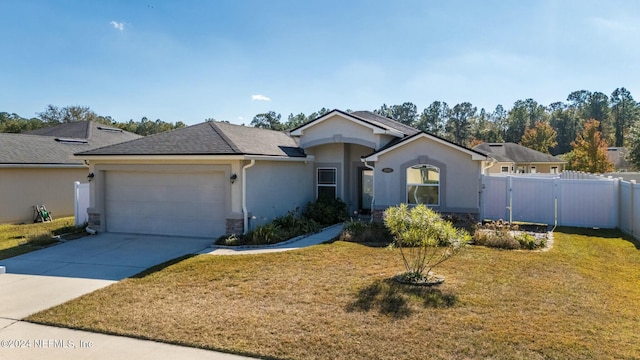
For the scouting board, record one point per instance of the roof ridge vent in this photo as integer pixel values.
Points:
(109, 129)
(71, 141)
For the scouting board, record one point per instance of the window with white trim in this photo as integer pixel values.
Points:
(423, 185)
(504, 169)
(327, 184)
(554, 169)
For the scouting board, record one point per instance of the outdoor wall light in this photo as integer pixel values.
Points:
(90, 177)
(233, 178)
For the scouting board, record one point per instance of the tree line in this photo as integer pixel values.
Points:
(585, 118)
(54, 115)
(609, 120)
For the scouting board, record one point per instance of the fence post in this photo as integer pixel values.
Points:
(510, 198)
(632, 184)
(76, 196)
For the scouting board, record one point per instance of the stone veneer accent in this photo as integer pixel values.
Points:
(235, 226)
(94, 221)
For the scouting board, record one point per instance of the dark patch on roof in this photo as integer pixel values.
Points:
(512, 152)
(208, 138)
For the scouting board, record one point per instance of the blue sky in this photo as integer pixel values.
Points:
(229, 60)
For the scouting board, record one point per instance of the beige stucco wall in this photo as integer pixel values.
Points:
(459, 175)
(345, 157)
(22, 188)
(338, 130)
(276, 187)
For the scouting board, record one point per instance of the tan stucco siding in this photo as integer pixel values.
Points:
(275, 187)
(540, 168)
(459, 175)
(338, 130)
(22, 188)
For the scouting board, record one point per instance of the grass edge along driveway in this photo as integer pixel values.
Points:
(18, 239)
(578, 300)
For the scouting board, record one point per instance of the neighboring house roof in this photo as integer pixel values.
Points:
(55, 146)
(512, 152)
(208, 138)
(618, 156)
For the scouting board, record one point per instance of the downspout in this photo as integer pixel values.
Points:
(493, 162)
(373, 185)
(245, 213)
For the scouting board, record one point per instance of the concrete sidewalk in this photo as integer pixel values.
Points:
(25, 341)
(47, 278)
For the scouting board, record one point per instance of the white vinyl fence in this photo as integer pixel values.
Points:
(81, 194)
(568, 199)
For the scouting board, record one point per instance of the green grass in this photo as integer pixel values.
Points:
(579, 300)
(20, 239)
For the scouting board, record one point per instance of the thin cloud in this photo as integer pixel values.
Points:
(260, 98)
(117, 25)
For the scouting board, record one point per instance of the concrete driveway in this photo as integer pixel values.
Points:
(52, 276)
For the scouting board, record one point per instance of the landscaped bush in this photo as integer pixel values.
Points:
(292, 225)
(326, 211)
(502, 235)
(365, 232)
(280, 229)
(425, 240)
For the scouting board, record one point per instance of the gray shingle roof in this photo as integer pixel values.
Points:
(512, 152)
(385, 122)
(57, 144)
(208, 138)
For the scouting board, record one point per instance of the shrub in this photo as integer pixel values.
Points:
(265, 234)
(365, 232)
(291, 226)
(425, 240)
(280, 229)
(499, 234)
(326, 211)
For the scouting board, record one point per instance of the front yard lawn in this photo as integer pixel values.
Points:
(579, 300)
(20, 239)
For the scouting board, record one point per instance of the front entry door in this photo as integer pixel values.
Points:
(365, 190)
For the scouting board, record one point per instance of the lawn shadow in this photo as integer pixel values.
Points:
(393, 299)
(602, 233)
(160, 267)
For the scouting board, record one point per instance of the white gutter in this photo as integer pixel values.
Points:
(373, 185)
(159, 157)
(245, 213)
(280, 158)
(45, 166)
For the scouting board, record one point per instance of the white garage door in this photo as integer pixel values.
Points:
(161, 203)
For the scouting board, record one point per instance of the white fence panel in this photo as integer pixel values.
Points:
(494, 198)
(636, 210)
(533, 199)
(588, 203)
(81, 192)
(626, 221)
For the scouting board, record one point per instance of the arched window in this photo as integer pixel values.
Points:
(423, 185)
